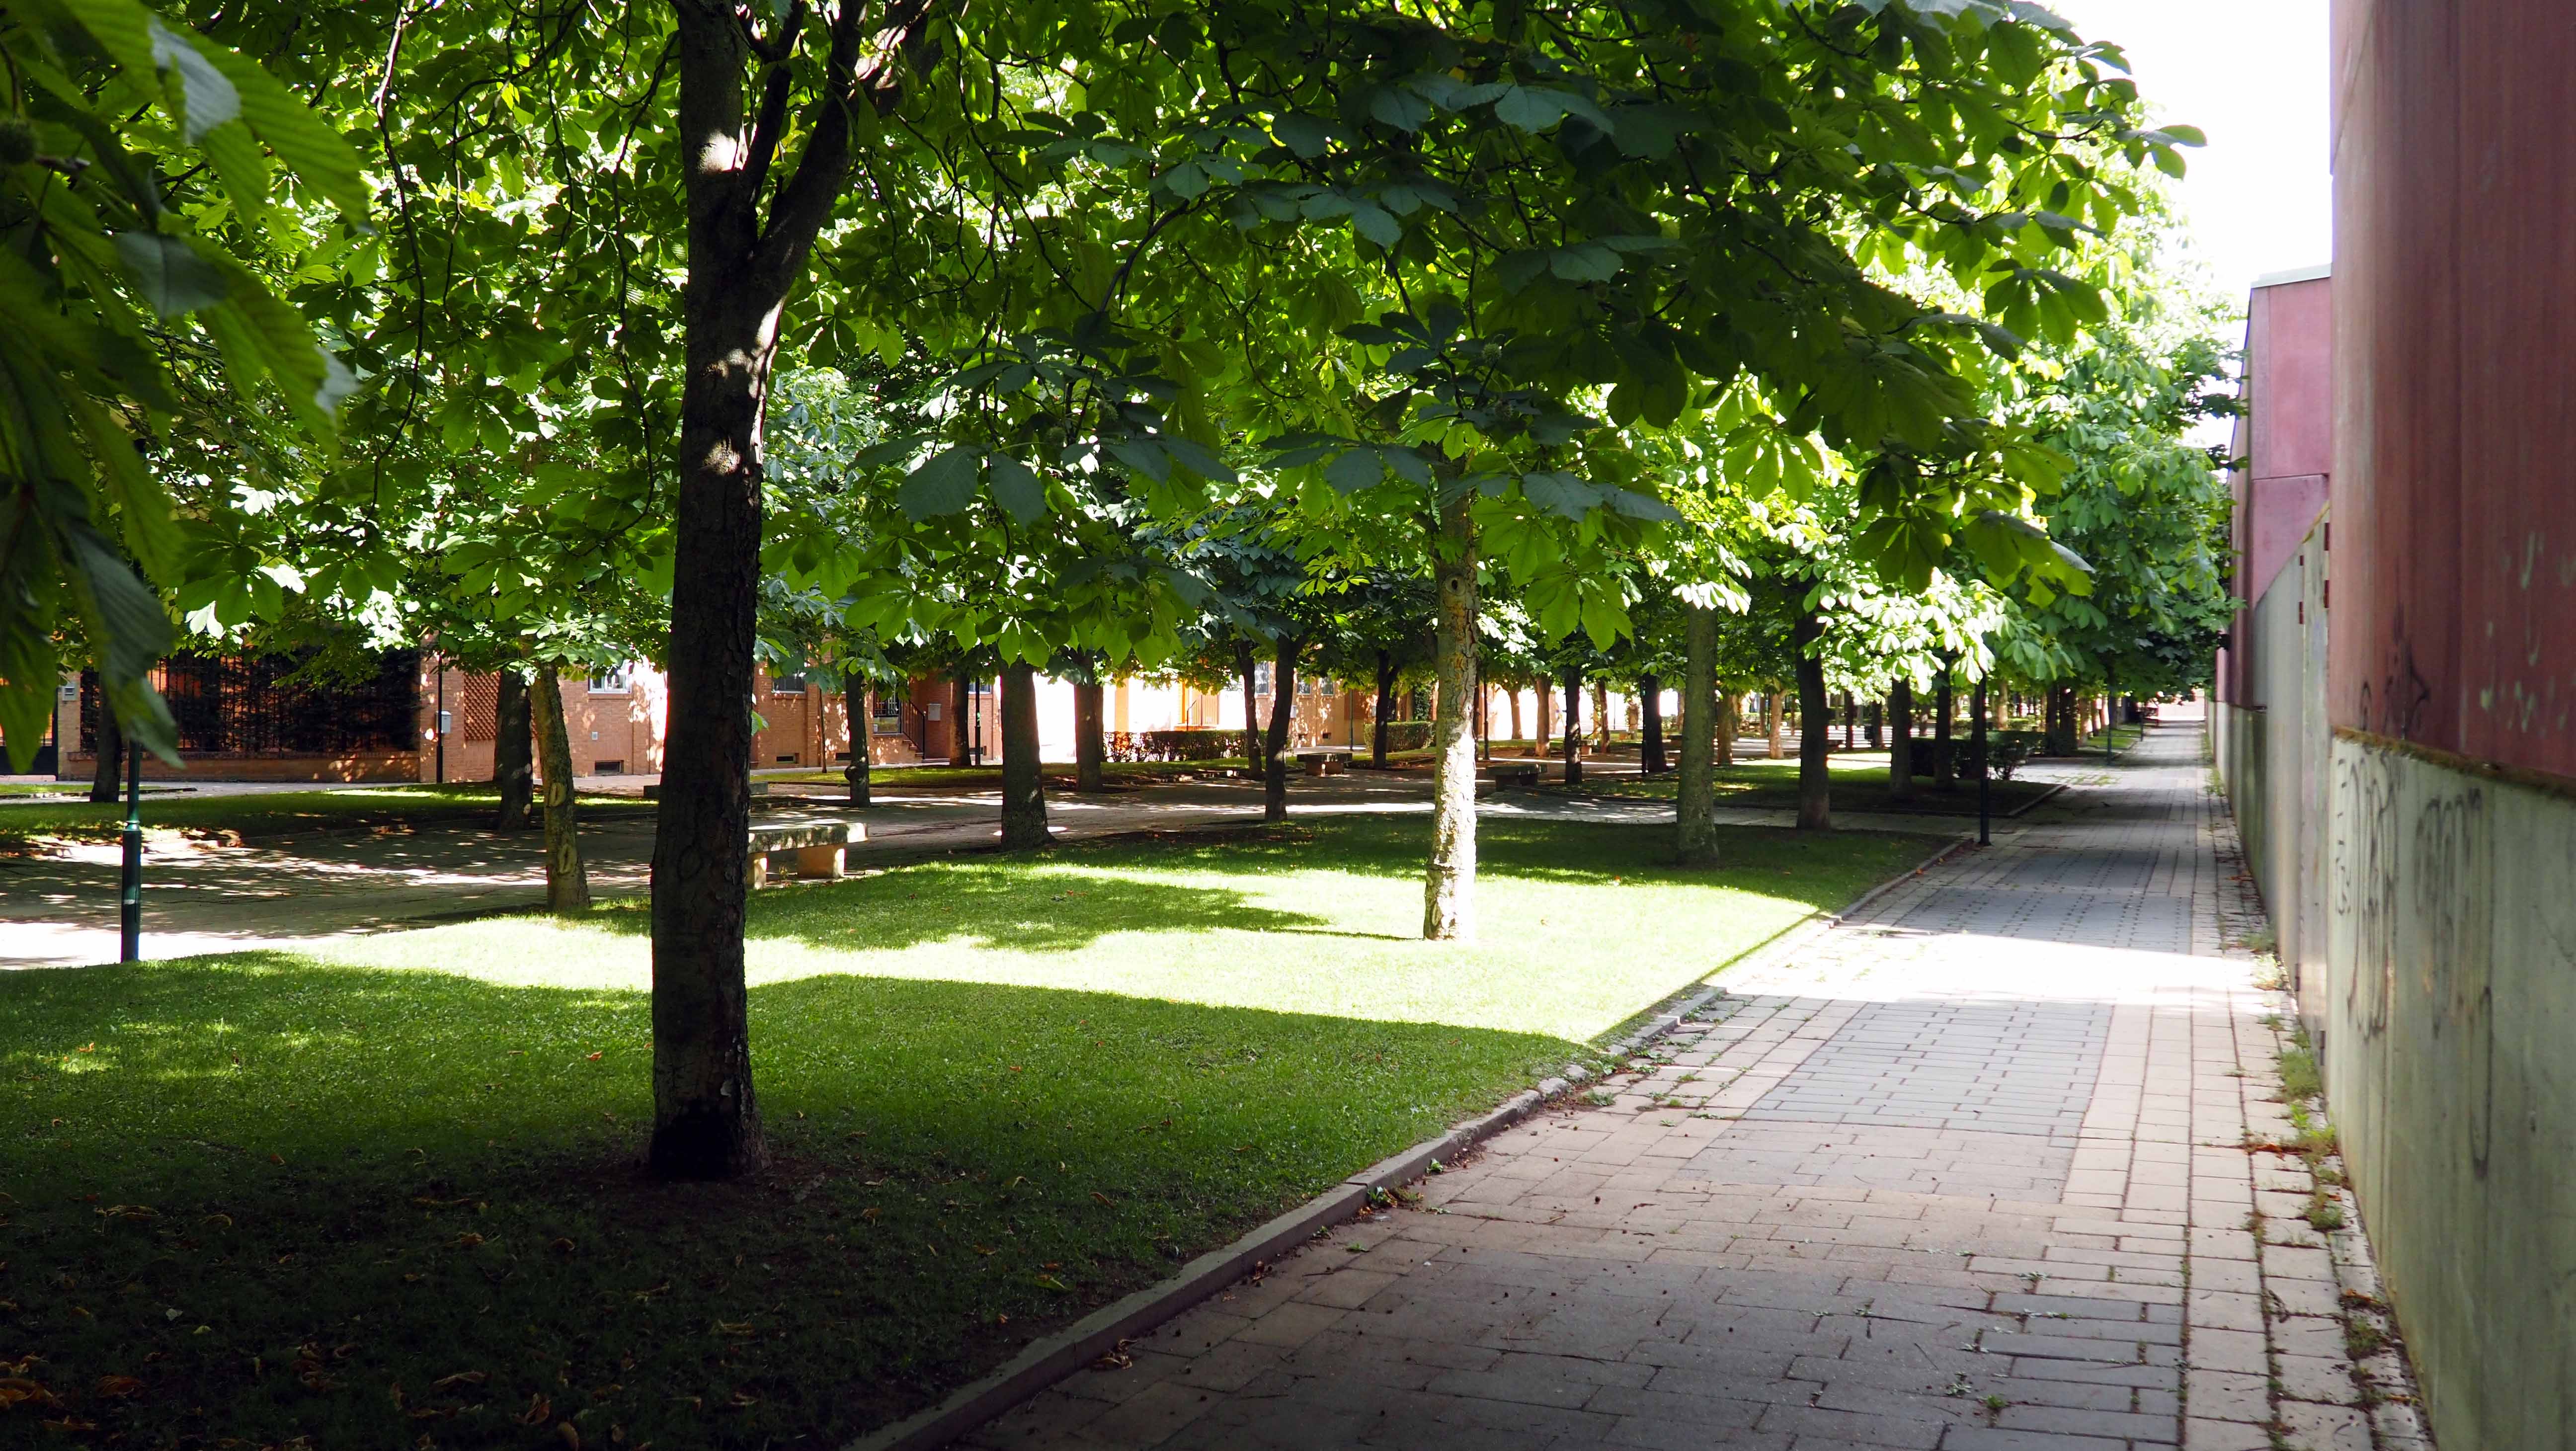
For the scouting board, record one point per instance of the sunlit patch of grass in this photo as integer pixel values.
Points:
(999, 1092)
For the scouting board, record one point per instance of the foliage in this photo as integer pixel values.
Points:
(140, 203)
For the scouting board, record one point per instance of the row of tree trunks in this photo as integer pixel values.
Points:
(1386, 673)
(2061, 724)
(1449, 880)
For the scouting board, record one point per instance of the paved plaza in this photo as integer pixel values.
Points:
(1967, 1171)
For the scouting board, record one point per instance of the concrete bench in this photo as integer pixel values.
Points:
(1515, 773)
(821, 848)
(1319, 763)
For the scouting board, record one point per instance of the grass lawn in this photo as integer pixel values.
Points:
(390, 1191)
(1859, 784)
(275, 813)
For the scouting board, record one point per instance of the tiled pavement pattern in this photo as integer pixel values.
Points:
(1966, 1172)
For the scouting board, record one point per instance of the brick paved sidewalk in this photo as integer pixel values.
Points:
(1966, 1172)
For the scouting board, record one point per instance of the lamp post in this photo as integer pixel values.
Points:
(130, 896)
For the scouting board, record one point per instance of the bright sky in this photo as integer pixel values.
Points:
(2251, 73)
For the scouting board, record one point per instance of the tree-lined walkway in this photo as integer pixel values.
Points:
(1940, 1178)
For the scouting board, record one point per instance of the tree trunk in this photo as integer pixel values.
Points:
(108, 783)
(513, 746)
(1695, 795)
(1900, 740)
(2061, 720)
(1385, 708)
(1851, 723)
(1449, 882)
(1515, 696)
(1726, 725)
(1283, 707)
(961, 706)
(1243, 666)
(567, 884)
(1090, 748)
(1650, 733)
(1573, 714)
(1024, 813)
(1775, 715)
(854, 705)
(740, 267)
(1600, 715)
(1815, 717)
(1546, 718)
(1979, 746)
(1945, 758)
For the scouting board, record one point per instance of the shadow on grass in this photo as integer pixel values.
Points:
(1040, 904)
(406, 1202)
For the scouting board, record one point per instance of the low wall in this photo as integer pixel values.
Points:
(370, 766)
(2448, 1007)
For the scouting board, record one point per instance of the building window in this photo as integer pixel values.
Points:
(787, 685)
(618, 681)
(1261, 678)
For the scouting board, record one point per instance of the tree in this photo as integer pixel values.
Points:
(126, 288)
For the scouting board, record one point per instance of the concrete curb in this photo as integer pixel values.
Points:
(1051, 1358)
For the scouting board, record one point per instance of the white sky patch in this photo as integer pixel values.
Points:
(2251, 73)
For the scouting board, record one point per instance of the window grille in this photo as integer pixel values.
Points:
(247, 706)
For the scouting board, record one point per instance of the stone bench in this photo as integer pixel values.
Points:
(1515, 773)
(1319, 763)
(821, 848)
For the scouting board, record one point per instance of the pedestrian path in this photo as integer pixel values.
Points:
(1967, 1171)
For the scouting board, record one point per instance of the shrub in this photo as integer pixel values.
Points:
(2011, 748)
(1406, 735)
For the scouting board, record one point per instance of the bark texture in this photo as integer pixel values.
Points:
(1945, 758)
(747, 246)
(1695, 795)
(567, 883)
(1274, 745)
(1024, 813)
(513, 753)
(1090, 731)
(1650, 735)
(1900, 740)
(108, 782)
(961, 712)
(854, 706)
(1815, 721)
(1775, 717)
(1449, 882)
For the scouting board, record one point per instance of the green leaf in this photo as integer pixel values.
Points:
(1197, 460)
(1584, 262)
(944, 484)
(1016, 488)
(1376, 223)
(320, 157)
(208, 96)
(170, 273)
(1145, 456)
(1302, 134)
(1531, 108)
(1361, 468)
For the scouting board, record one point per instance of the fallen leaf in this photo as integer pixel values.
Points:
(18, 1390)
(565, 1431)
(538, 1412)
(116, 1387)
(741, 1400)
(461, 1378)
(468, 1240)
(594, 1057)
(1103, 1198)
(727, 1327)
(563, 1246)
